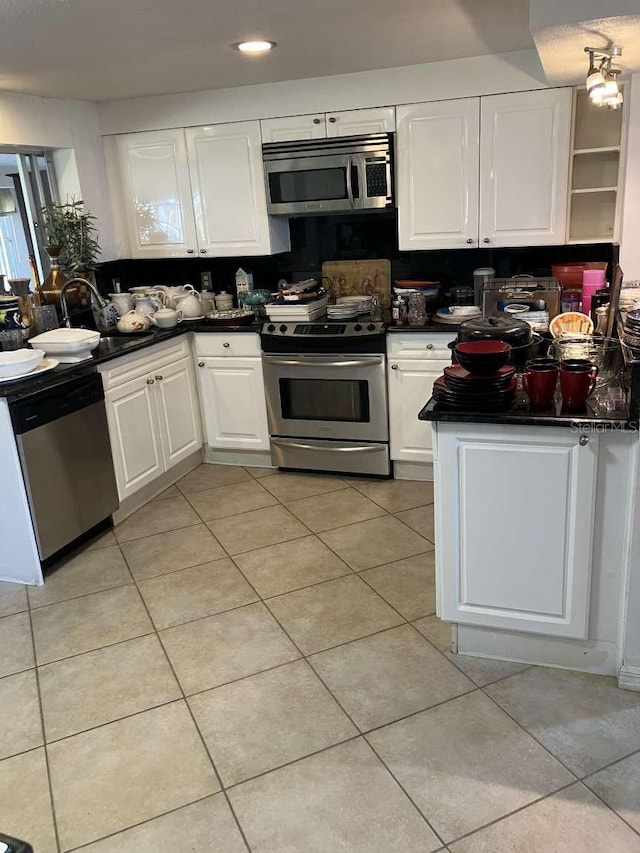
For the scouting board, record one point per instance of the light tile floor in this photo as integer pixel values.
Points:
(252, 662)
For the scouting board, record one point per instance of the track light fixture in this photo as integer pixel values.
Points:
(602, 79)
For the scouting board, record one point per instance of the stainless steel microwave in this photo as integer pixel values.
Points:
(337, 175)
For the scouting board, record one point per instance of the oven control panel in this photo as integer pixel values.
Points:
(364, 326)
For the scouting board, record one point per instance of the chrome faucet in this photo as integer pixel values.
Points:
(63, 297)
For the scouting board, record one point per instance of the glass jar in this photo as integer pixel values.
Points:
(417, 309)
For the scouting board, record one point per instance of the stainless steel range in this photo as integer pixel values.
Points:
(327, 395)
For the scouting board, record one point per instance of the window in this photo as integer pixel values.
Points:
(26, 184)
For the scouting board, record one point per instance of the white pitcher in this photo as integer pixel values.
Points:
(147, 304)
(122, 301)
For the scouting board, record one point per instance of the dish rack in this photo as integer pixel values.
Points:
(539, 294)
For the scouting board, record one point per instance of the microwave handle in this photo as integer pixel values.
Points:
(349, 184)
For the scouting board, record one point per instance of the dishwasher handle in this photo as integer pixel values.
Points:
(56, 402)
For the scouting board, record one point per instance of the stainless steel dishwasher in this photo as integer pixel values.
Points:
(63, 442)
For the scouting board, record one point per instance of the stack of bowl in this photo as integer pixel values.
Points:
(631, 334)
(481, 380)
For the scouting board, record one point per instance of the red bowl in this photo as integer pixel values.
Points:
(482, 357)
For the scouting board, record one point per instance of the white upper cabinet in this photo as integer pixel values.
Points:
(293, 127)
(502, 562)
(357, 122)
(197, 192)
(321, 125)
(437, 174)
(524, 168)
(227, 180)
(157, 194)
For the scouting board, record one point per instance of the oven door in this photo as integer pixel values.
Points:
(310, 184)
(327, 397)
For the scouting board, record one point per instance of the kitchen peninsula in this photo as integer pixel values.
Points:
(535, 533)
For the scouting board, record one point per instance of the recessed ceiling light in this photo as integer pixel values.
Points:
(257, 46)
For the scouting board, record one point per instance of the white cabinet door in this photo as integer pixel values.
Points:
(355, 122)
(514, 527)
(524, 168)
(233, 403)
(227, 178)
(293, 127)
(437, 174)
(410, 387)
(134, 435)
(157, 194)
(178, 411)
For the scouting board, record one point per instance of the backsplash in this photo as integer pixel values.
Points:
(325, 238)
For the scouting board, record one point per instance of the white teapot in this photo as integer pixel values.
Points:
(166, 318)
(133, 321)
(190, 305)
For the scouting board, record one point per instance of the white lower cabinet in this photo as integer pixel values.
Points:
(134, 434)
(415, 361)
(152, 413)
(410, 386)
(514, 526)
(231, 391)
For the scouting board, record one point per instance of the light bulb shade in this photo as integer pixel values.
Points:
(595, 82)
(614, 103)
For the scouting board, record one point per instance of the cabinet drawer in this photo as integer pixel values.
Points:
(235, 343)
(129, 367)
(415, 345)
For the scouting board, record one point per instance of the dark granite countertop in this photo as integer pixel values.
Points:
(446, 328)
(110, 347)
(520, 413)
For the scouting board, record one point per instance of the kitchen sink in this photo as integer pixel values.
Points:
(115, 343)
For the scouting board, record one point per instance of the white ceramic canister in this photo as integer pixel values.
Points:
(224, 301)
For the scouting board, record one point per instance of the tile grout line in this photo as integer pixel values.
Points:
(141, 823)
(305, 657)
(44, 735)
(194, 721)
(522, 808)
(336, 700)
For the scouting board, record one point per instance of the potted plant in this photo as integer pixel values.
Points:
(72, 247)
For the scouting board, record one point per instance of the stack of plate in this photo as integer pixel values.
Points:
(631, 335)
(459, 389)
(348, 307)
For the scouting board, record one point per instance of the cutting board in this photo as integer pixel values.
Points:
(356, 278)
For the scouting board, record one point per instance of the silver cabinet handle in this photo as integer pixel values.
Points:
(201, 364)
(429, 346)
(149, 381)
(583, 440)
(394, 367)
(203, 251)
(333, 119)
(189, 251)
(486, 240)
(226, 344)
(158, 377)
(469, 240)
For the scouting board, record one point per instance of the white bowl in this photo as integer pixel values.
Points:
(19, 361)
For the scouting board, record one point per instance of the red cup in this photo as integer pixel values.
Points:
(577, 381)
(539, 381)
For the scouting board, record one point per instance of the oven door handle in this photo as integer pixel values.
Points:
(319, 362)
(298, 445)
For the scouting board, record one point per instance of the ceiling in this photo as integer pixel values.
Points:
(561, 46)
(102, 49)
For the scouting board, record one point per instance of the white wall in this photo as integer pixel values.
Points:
(72, 127)
(630, 237)
(459, 78)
